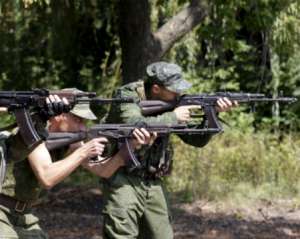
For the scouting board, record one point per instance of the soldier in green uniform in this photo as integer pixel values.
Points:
(28, 176)
(31, 170)
(135, 203)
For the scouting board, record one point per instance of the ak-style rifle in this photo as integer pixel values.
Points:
(23, 103)
(208, 103)
(122, 133)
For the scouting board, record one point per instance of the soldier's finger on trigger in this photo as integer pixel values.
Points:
(194, 107)
(102, 140)
(99, 144)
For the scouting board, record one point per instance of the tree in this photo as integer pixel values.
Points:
(140, 45)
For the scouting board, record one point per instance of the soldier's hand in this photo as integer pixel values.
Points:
(224, 104)
(54, 106)
(183, 113)
(92, 148)
(142, 137)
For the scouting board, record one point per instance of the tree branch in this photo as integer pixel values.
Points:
(180, 24)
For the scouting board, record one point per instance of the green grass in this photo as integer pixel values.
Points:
(238, 163)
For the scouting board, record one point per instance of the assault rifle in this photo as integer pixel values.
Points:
(208, 103)
(21, 103)
(123, 132)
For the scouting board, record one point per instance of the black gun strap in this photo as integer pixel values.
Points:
(133, 162)
(3, 158)
(2, 170)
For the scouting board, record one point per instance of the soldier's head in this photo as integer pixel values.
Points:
(164, 81)
(74, 120)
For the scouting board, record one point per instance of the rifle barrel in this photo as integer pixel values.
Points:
(265, 99)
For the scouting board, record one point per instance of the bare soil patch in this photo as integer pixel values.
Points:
(75, 213)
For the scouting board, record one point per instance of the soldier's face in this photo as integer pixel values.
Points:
(75, 123)
(162, 93)
(70, 122)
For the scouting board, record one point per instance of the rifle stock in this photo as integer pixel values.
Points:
(59, 140)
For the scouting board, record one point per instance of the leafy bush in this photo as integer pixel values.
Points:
(237, 157)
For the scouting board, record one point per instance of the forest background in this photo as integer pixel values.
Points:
(237, 45)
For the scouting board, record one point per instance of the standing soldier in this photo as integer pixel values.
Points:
(135, 199)
(41, 171)
(32, 170)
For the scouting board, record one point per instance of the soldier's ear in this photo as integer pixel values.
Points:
(155, 89)
(59, 118)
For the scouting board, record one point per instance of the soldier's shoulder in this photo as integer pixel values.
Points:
(130, 89)
(132, 85)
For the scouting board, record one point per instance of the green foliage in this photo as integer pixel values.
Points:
(235, 158)
(236, 47)
(75, 43)
(58, 44)
(243, 45)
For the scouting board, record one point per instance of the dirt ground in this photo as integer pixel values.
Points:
(74, 213)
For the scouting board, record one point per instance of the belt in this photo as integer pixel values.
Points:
(14, 204)
(144, 174)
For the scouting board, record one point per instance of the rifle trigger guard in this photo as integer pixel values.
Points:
(212, 118)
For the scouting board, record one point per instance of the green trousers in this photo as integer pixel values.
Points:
(19, 226)
(135, 208)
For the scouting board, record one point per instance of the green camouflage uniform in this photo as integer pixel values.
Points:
(20, 183)
(135, 203)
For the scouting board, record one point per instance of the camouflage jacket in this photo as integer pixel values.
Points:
(20, 181)
(156, 159)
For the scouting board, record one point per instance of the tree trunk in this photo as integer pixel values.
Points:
(64, 39)
(140, 46)
(135, 36)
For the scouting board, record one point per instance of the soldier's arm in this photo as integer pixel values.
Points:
(50, 173)
(131, 113)
(105, 168)
(223, 105)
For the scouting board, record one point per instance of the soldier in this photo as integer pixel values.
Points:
(32, 170)
(40, 171)
(135, 204)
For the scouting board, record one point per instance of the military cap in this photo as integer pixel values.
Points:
(168, 75)
(81, 110)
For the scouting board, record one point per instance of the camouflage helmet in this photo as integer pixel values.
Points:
(168, 75)
(81, 110)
